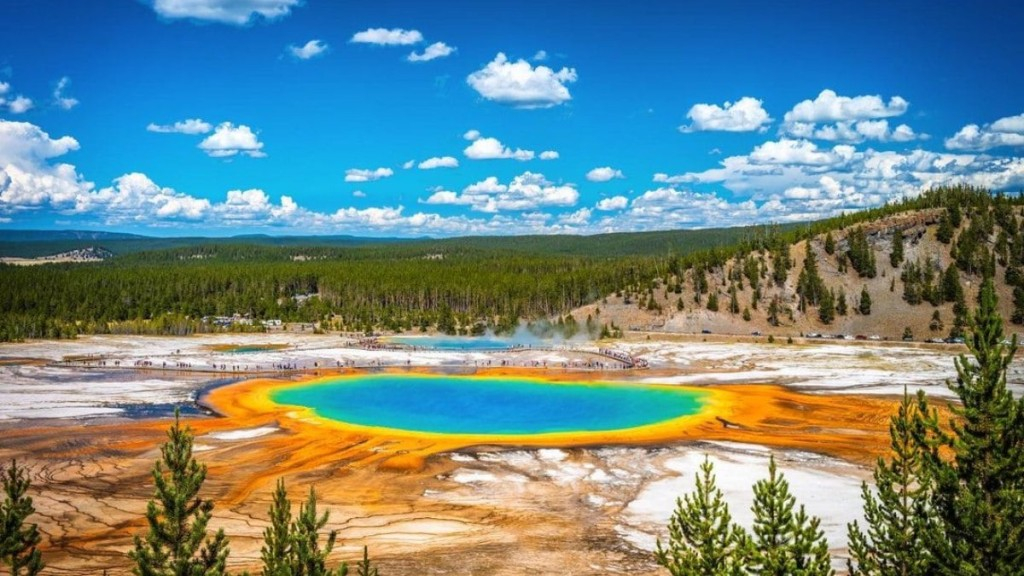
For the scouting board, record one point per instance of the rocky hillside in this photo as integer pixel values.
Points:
(913, 266)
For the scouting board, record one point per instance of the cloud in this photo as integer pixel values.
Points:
(577, 218)
(308, 50)
(548, 155)
(228, 140)
(848, 119)
(237, 12)
(28, 179)
(20, 104)
(190, 126)
(520, 85)
(604, 174)
(788, 151)
(492, 148)
(471, 135)
(528, 191)
(4, 88)
(613, 203)
(367, 175)
(855, 132)
(62, 101)
(439, 162)
(1008, 131)
(744, 115)
(540, 56)
(386, 37)
(432, 52)
(359, 194)
(408, 164)
(830, 107)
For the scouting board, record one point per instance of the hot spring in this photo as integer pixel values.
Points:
(489, 405)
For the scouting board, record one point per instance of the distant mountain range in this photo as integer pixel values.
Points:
(38, 243)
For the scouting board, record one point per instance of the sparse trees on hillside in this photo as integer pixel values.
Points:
(896, 255)
(864, 306)
(861, 256)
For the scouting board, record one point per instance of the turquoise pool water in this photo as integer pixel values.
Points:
(454, 342)
(476, 405)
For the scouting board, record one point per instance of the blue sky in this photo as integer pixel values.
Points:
(409, 118)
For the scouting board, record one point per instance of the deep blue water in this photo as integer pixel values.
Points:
(476, 405)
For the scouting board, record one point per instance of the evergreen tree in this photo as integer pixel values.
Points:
(864, 307)
(861, 256)
(951, 284)
(979, 492)
(944, 233)
(702, 537)
(827, 307)
(841, 306)
(810, 287)
(830, 244)
(365, 567)
(936, 323)
(18, 540)
(277, 549)
(774, 308)
(734, 303)
(178, 517)
(310, 559)
(896, 256)
(786, 542)
(899, 518)
(713, 301)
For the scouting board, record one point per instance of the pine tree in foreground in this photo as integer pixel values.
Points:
(18, 540)
(786, 542)
(178, 517)
(702, 537)
(291, 547)
(310, 559)
(277, 538)
(899, 517)
(979, 492)
(365, 567)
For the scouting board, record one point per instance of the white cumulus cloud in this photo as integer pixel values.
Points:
(548, 155)
(613, 203)
(1008, 131)
(744, 115)
(190, 126)
(528, 191)
(229, 140)
(492, 148)
(367, 175)
(604, 174)
(237, 12)
(830, 107)
(60, 99)
(439, 162)
(308, 50)
(522, 85)
(20, 104)
(388, 37)
(432, 52)
(471, 135)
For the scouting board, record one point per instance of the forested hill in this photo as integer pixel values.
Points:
(800, 278)
(36, 243)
